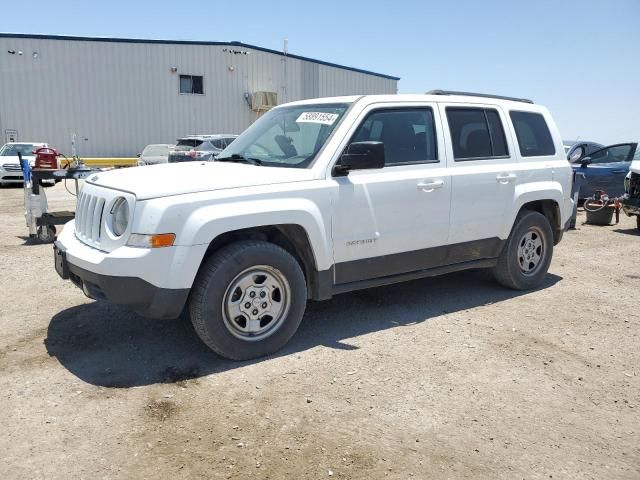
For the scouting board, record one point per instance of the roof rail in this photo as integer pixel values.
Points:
(484, 95)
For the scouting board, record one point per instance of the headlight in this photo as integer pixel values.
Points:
(120, 216)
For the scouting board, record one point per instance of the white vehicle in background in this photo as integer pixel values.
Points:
(10, 170)
(155, 154)
(321, 197)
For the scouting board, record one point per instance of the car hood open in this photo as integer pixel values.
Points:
(164, 180)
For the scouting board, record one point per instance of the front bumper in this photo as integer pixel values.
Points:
(631, 205)
(153, 282)
(11, 176)
(136, 293)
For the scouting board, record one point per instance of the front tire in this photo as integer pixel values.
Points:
(248, 300)
(525, 259)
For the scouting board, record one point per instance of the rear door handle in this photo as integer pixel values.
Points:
(431, 186)
(506, 177)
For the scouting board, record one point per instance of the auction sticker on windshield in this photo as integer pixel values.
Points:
(317, 117)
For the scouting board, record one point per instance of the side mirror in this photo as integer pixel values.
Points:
(139, 155)
(360, 156)
(576, 155)
(585, 161)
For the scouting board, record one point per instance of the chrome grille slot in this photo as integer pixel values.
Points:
(12, 167)
(88, 218)
(97, 216)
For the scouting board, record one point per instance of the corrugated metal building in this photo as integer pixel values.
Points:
(118, 95)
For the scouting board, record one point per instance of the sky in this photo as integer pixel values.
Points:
(581, 59)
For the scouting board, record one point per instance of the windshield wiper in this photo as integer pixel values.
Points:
(239, 159)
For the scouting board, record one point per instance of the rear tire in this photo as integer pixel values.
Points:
(525, 259)
(248, 300)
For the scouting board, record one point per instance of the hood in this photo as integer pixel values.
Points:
(168, 179)
(635, 167)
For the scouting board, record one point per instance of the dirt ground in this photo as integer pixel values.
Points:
(448, 377)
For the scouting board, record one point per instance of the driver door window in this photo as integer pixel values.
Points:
(615, 153)
(408, 135)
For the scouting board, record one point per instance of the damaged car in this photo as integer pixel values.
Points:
(631, 199)
(604, 169)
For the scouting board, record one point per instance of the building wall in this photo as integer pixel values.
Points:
(118, 97)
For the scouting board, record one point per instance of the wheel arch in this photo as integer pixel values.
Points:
(293, 238)
(551, 210)
(547, 200)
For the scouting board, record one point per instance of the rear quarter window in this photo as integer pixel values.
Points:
(532, 132)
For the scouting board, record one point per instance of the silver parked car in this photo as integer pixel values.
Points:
(200, 147)
(155, 154)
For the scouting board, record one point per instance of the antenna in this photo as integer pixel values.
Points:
(284, 60)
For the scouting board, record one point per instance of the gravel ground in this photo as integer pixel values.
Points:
(449, 377)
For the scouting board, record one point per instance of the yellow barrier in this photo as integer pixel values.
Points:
(107, 162)
(110, 162)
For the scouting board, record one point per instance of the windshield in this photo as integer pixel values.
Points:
(11, 150)
(287, 136)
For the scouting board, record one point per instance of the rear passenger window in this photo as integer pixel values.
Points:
(409, 135)
(476, 133)
(534, 138)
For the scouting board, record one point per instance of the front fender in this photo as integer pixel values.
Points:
(207, 222)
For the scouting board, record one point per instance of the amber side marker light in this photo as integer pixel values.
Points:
(157, 240)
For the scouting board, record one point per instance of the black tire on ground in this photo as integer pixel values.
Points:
(512, 263)
(212, 291)
(46, 234)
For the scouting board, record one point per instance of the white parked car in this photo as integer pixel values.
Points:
(10, 170)
(320, 197)
(155, 154)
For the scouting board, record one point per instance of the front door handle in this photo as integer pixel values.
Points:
(430, 186)
(506, 177)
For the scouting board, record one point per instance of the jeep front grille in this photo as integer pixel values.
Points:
(89, 218)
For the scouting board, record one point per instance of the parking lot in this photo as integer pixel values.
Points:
(448, 377)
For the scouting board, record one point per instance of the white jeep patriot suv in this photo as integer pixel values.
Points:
(320, 197)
